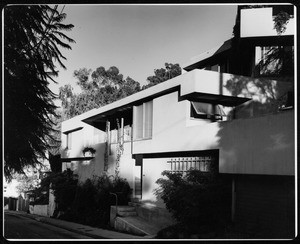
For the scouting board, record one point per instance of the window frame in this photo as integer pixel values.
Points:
(206, 116)
(143, 131)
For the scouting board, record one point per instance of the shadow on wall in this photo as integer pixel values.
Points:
(262, 145)
(248, 140)
(86, 169)
(266, 94)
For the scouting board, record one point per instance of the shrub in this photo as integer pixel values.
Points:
(197, 199)
(92, 201)
(64, 185)
(6, 201)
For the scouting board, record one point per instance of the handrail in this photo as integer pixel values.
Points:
(116, 196)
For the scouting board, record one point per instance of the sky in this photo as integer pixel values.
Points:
(140, 38)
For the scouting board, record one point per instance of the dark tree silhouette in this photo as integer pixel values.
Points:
(160, 75)
(33, 36)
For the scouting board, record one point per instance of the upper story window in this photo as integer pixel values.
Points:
(143, 121)
(274, 60)
(69, 140)
(201, 110)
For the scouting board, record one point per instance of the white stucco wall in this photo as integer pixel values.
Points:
(253, 18)
(261, 145)
(258, 142)
(39, 210)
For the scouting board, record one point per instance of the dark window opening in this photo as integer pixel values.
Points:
(286, 101)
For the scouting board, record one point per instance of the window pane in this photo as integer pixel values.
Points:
(138, 122)
(69, 140)
(203, 108)
(148, 119)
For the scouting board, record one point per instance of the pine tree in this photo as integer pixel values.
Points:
(33, 36)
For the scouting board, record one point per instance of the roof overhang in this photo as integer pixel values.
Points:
(68, 160)
(208, 57)
(196, 85)
(72, 130)
(215, 99)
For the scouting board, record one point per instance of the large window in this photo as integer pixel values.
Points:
(143, 120)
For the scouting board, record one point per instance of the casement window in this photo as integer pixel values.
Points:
(143, 121)
(201, 110)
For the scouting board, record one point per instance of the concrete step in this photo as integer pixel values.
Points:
(126, 211)
(126, 208)
(134, 204)
(136, 225)
(125, 214)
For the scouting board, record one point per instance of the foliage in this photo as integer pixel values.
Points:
(27, 182)
(88, 149)
(55, 141)
(120, 149)
(278, 61)
(55, 163)
(196, 199)
(33, 35)
(6, 201)
(92, 200)
(98, 88)
(64, 185)
(160, 75)
(280, 22)
(86, 203)
(41, 196)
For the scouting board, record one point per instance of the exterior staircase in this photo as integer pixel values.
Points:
(138, 219)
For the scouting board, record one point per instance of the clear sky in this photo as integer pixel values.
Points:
(140, 38)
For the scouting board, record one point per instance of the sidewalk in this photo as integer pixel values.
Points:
(93, 232)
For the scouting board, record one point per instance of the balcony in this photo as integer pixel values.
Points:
(259, 22)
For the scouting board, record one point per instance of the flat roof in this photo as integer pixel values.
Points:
(134, 99)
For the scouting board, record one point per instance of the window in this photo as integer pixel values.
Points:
(201, 110)
(69, 140)
(184, 164)
(286, 101)
(274, 60)
(142, 121)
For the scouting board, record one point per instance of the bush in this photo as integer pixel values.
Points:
(64, 185)
(197, 200)
(6, 201)
(92, 201)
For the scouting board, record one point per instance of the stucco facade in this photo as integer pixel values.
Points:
(180, 119)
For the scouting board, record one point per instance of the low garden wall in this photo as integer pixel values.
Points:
(39, 210)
